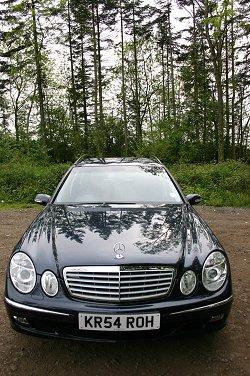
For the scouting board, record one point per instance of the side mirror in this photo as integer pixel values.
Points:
(42, 199)
(193, 198)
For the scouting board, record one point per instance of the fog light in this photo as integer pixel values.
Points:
(49, 283)
(216, 318)
(188, 282)
(21, 320)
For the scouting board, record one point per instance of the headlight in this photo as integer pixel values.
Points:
(49, 283)
(22, 272)
(214, 271)
(188, 282)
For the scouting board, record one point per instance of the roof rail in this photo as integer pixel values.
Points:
(87, 158)
(102, 160)
(154, 158)
(81, 159)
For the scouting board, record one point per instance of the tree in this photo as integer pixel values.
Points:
(159, 94)
(23, 36)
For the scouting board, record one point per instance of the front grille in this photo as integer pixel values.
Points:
(118, 283)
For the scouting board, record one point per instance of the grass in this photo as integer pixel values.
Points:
(18, 205)
(226, 184)
(19, 182)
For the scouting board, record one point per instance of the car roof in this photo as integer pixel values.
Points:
(126, 160)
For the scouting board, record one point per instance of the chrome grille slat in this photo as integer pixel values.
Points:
(145, 279)
(141, 275)
(103, 281)
(93, 291)
(96, 276)
(118, 283)
(132, 287)
(141, 291)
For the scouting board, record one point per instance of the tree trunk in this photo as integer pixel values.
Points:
(39, 76)
(172, 67)
(124, 108)
(227, 109)
(83, 82)
(73, 87)
(196, 104)
(137, 100)
(233, 85)
(95, 78)
(163, 82)
(99, 65)
(216, 55)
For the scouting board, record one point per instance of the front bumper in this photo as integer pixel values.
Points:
(61, 319)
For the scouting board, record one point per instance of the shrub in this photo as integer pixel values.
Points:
(225, 184)
(21, 182)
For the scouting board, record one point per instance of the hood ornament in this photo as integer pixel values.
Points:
(119, 249)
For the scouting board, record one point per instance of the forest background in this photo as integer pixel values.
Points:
(117, 78)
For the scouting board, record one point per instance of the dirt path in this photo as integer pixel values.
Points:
(224, 353)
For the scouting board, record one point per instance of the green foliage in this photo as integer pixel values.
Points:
(161, 93)
(20, 182)
(224, 184)
(33, 152)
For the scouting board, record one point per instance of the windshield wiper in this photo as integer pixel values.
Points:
(101, 204)
(88, 204)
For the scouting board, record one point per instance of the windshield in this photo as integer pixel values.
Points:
(118, 184)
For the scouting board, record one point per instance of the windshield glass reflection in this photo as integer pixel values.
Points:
(118, 184)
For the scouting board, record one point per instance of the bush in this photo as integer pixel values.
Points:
(225, 184)
(21, 182)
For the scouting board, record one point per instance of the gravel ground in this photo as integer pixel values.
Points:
(226, 352)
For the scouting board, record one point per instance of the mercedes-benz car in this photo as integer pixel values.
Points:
(118, 253)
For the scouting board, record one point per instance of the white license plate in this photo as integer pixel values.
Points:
(119, 322)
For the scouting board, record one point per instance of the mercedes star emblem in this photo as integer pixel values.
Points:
(119, 249)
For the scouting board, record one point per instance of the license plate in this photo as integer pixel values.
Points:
(119, 322)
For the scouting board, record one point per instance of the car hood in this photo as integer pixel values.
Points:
(76, 236)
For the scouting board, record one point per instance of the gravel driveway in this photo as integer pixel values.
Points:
(225, 353)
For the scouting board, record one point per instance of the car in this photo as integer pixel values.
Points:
(118, 253)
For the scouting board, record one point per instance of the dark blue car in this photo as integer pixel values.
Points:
(118, 253)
